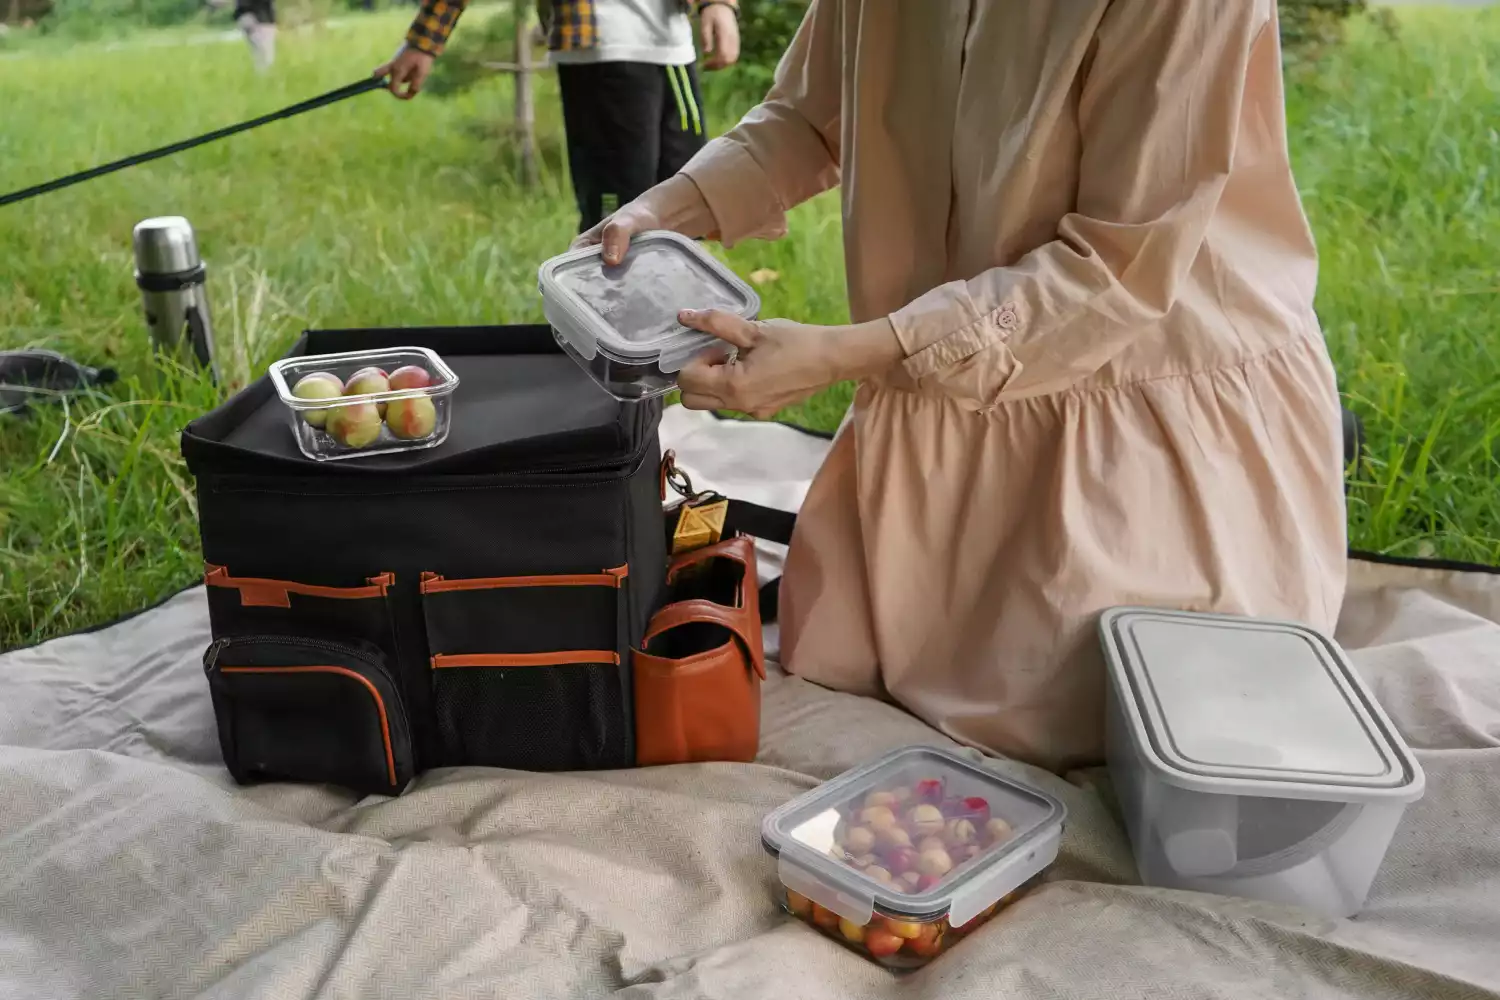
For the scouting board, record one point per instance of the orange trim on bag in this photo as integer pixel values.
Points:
(434, 584)
(256, 592)
(385, 726)
(564, 659)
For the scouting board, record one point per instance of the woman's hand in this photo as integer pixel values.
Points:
(780, 363)
(674, 204)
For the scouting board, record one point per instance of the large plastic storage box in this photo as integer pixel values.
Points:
(1250, 759)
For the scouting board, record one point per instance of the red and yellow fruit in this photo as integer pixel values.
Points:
(317, 385)
(878, 818)
(934, 864)
(905, 929)
(798, 904)
(997, 831)
(411, 419)
(851, 931)
(892, 838)
(824, 917)
(928, 944)
(410, 377)
(960, 833)
(366, 381)
(902, 860)
(860, 840)
(356, 425)
(882, 943)
(927, 820)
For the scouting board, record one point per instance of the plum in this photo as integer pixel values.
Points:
(411, 419)
(356, 425)
(317, 385)
(366, 381)
(410, 377)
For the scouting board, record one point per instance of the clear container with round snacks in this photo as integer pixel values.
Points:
(901, 858)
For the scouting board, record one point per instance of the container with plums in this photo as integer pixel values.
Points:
(366, 402)
(905, 856)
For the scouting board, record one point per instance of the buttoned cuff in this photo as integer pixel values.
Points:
(945, 327)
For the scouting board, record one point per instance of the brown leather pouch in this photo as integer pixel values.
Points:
(697, 681)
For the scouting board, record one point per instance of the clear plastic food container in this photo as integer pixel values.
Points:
(620, 323)
(1250, 760)
(366, 402)
(902, 857)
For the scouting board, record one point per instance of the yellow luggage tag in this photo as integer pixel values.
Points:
(698, 521)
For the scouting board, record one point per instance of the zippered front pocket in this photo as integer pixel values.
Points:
(313, 710)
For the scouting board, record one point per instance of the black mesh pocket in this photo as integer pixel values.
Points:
(537, 712)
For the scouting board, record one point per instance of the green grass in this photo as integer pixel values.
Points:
(378, 212)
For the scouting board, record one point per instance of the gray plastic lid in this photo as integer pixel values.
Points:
(1219, 703)
(801, 834)
(629, 311)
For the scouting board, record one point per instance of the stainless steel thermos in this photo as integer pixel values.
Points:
(171, 276)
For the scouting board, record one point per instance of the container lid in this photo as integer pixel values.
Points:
(847, 843)
(629, 311)
(1220, 703)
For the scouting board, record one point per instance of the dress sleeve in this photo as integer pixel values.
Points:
(1159, 116)
(786, 149)
(433, 24)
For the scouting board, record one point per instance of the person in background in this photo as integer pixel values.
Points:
(626, 68)
(1081, 284)
(257, 19)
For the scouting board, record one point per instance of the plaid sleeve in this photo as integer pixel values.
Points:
(434, 23)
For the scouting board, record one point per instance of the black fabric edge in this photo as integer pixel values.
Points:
(111, 623)
(1445, 565)
(799, 428)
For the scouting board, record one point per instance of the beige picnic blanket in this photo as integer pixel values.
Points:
(131, 866)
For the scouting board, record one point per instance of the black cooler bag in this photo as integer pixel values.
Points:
(376, 617)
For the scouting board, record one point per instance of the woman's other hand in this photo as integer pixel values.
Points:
(407, 71)
(780, 363)
(674, 204)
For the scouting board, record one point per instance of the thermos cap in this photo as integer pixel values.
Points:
(165, 245)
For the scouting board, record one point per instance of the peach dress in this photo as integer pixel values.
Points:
(1081, 220)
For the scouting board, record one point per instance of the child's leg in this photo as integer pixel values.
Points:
(612, 113)
(683, 126)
